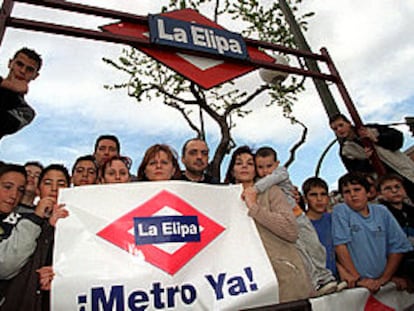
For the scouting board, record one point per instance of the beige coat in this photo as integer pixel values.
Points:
(278, 230)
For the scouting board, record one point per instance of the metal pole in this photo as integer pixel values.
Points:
(5, 13)
(376, 161)
(324, 93)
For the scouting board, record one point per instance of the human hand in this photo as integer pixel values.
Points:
(373, 285)
(46, 276)
(45, 207)
(364, 132)
(15, 85)
(58, 212)
(249, 195)
(368, 151)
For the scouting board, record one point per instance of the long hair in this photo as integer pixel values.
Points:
(229, 179)
(150, 153)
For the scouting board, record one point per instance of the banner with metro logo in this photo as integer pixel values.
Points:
(159, 245)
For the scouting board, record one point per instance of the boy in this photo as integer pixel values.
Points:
(33, 170)
(308, 244)
(84, 171)
(315, 191)
(18, 234)
(15, 113)
(368, 241)
(29, 289)
(393, 196)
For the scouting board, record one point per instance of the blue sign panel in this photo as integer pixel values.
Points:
(166, 229)
(197, 37)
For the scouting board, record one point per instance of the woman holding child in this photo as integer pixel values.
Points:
(276, 225)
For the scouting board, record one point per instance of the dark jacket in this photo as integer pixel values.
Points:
(15, 113)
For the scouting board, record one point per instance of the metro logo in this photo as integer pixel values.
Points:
(169, 257)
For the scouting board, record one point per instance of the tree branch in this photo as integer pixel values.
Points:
(296, 146)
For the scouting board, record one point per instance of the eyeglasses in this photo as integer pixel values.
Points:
(391, 188)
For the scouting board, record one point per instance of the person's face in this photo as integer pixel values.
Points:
(393, 191)
(317, 199)
(105, 150)
(116, 172)
(265, 165)
(12, 186)
(195, 158)
(160, 167)
(84, 173)
(341, 128)
(50, 184)
(356, 197)
(33, 173)
(244, 170)
(23, 67)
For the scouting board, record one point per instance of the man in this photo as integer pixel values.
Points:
(84, 171)
(15, 113)
(194, 156)
(33, 170)
(106, 147)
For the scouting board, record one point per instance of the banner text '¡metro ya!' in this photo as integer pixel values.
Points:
(191, 36)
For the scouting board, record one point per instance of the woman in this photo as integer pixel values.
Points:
(276, 225)
(387, 142)
(116, 170)
(159, 163)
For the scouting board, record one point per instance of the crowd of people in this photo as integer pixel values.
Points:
(315, 247)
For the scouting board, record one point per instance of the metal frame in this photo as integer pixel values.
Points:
(6, 20)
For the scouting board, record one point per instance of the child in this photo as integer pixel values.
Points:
(308, 244)
(315, 191)
(18, 234)
(394, 196)
(368, 241)
(29, 289)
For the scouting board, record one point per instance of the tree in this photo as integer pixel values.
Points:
(224, 103)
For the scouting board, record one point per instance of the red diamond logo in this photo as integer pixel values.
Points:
(167, 257)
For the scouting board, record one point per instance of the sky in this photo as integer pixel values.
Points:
(371, 43)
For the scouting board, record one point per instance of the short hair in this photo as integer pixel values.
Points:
(55, 167)
(229, 179)
(183, 149)
(32, 54)
(150, 153)
(87, 157)
(387, 177)
(354, 178)
(338, 116)
(266, 151)
(34, 163)
(10, 167)
(314, 182)
(126, 160)
(109, 137)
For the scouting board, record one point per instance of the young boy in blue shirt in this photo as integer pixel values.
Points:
(315, 192)
(369, 242)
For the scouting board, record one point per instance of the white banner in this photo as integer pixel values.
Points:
(159, 245)
(360, 299)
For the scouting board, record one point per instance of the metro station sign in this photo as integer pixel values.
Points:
(175, 28)
(197, 37)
